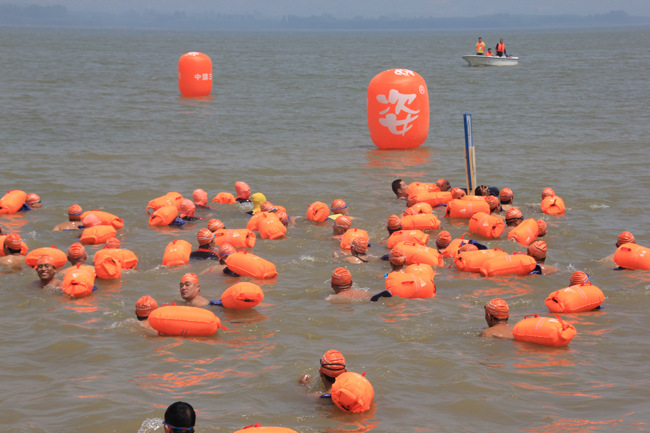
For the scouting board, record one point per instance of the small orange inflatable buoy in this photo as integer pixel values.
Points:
(459, 208)
(352, 234)
(107, 267)
(632, 256)
(420, 221)
(177, 252)
(432, 198)
(415, 236)
(473, 261)
(249, 265)
(415, 282)
(12, 201)
(352, 392)
(553, 205)
(238, 238)
(398, 109)
(60, 257)
(224, 198)
(97, 235)
(544, 330)
(78, 281)
(169, 199)
(107, 219)
(23, 247)
(163, 216)
(512, 264)
(270, 226)
(180, 320)
(526, 232)
(194, 74)
(575, 299)
(318, 212)
(127, 258)
(486, 225)
(242, 296)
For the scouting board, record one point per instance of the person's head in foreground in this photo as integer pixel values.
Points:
(179, 418)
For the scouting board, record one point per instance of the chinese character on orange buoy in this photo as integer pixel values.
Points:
(398, 109)
(194, 75)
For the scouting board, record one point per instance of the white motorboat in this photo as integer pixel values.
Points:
(476, 60)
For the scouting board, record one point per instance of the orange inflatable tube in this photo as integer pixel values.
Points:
(97, 235)
(473, 261)
(553, 205)
(249, 265)
(420, 254)
(415, 188)
(352, 234)
(270, 226)
(526, 232)
(544, 330)
(459, 208)
(419, 208)
(318, 211)
(12, 201)
(415, 236)
(352, 392)
(107, 219)
(242, 296)
(127, 258)
(420, 221)
(224, 198)
(575, 299)
(107, 267)
(486, 225)
(415, 282)
(632, 256)
(60, 257)
(23, 246)
(180, 320)
(512, 264)
(163, 216)
(177, 252)
(452, 249)
(169, 199)
(253, 222)
(238, 238)
(432, 198)
(78, 281)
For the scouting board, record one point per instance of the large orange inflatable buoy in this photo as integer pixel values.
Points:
(415, 188)
(224, 198)
(513, 264)
(177, 252)
(249, 265)
(415, 282)
(318, 212)
(127, 258)
(107, 219)
(421, 221)
(257, 428)
(181, 320)
(97, 235)
(472, 261)
(632, 256)
(163, 216)
(352, 234)
(107, 267)
(526, 232)
(419, 207)
(242, 296)
(420, 254)
(452, 250)
(459, 208)
(12, 201)
(352, 392)
(60, 257)
(544, 330)
(432, 198)
(486, 225)
(553, 205)
(169, 199)
(398, 109)
(575, 299)
(270, 226)
(78, 281)
(238, 238)
(23, 246)
(194, 75)
(416, 236)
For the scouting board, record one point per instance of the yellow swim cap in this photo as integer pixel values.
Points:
(257, 199)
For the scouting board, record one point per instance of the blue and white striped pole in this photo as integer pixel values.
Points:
(470, 161)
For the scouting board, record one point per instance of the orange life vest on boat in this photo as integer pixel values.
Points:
(501, 47)
(480, 47)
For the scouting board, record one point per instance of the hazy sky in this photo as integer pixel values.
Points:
(365, 8)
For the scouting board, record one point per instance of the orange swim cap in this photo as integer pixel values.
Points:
(113, 243)
(393, 223)
(537, 249)
(547, 192)
(226, 249)
(443, 239)
(267, 206)
(91, 220)
(282, 216)
(32, 198)
(200, 197)
(75, 210)
(341, 277)
(13, 241)
(187, 208)
(352, 392)
(457, 193)
(332, 364)
(468, 247)
(359, 245)
(76, 250)
(337, 205)
(243, 190)
(443, 184)
(343, 221)
(204, 236)
(492, 201)
(215, 224)
(45, 259)
(144, 306)
(625, 238)
(397, 257)
(578, 277)
(541, 227)
(505, 194)
(410, 211)
(190, 276)
(513, 213)
(498, 308)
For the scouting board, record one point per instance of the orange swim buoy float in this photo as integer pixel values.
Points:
(60, 257)
(420, 254)
(632, 256)
(106, 218)
(415, 236)
(415, 282)
(224, 198)
(23, 246)
(459, 208)
(352, 392)
(97, 235)
(318, 212)
(242, 296)
(249, 265)
(415, 188)
(181, 320)
(553, 205)
(512, 264)
(238, 238)
(177, 252)
(473, 261)
(420, 221)
(78, 281)
(526, 232)
(417, 208)
(486, 225)
(452, 250)
(352, 234)
(544, 330)
(163, 216)
(169, 199)
(12, 201)
(127, 258)
(575, 299)
(270, 226)
(107, 267)
(432, 198)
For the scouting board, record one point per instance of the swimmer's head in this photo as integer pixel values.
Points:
(267, 206)
(32, 199)
(359, 245)
(205, 237)
(243, 190)
(443, 184)
(341, 224)
(506, 195)
(498, 308)
(77, 253)
(493, 202)
(225, 249)
(578, 277)
(45, 267)
(332, 365)
(180, 418)
(187, 208)
(283, 217)
(189, 286)
(144, 306)
(468, 247)
(443, 239)
(514, 217)
(258, 198)
(339, 206)
(400, 188)
(200, 197)
(13, 242)
(538, 250)
(482, 190)
(397, 257)
(457, 193)
(341, 279)
(547, 192)
(625, 238)
(541, 228)
(393, 224)
(113, 243)
(75, 212)
(215, 224)
(91, 220)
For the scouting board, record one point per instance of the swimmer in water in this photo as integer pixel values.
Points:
(77, 254)
(143, 308)
(200, 198)
(443, 240)
(342, 285)
(341, 225)
(394, 224)
(400, 188)
(537, 250)
(12, 260)
(224, 251)
(187, 211)
(190, 290)
(179, 418)
(578, 278)
(443, 184)
(397, 259)
(457, 193)
(358, 251)
(74, 217)
(33, 201)
(541, 228)
(332, 365)
(495, 205)
(623, 238)
(215, 224)
(506, 196)
(46, 272)
(497, 313)
(206, 250)
(514, 217)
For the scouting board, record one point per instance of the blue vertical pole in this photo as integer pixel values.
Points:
(470, 169)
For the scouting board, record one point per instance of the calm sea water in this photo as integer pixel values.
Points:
(94, 117)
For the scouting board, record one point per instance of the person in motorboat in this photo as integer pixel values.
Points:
(489, 53)
(480, 47)
(501, 49)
